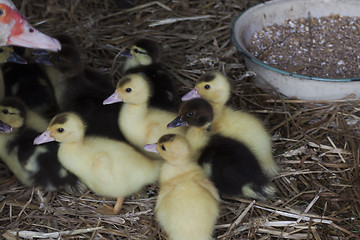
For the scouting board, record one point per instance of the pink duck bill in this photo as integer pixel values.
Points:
(191, 95)
(15, 30)
(114, 98)
(45, 137)
(151, 148)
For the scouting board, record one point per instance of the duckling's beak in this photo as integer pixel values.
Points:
(114, 98)
(15, 58)
(151, 148)
(44, 138)
(176, 122)
(5, 128)
(126, 53)
(191, 95)
(42, 56)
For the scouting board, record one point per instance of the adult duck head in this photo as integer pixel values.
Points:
(16, 30)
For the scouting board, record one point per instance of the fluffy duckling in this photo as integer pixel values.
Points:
(108, 167)
(144, 57)
(232, 167)
(187, 205)
(81, 90)
(140, 123)
(15, 30)
(7, 54)
(239, 125)
(32, 165)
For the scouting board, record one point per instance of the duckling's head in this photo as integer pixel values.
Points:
(67, 61)
(171, 147)
(64, 127)
(144, 52)
(196, 112)
(7, 54)
(12, 112)
(213, 87)
(132, 89)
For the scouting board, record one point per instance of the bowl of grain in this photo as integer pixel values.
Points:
(304, 49)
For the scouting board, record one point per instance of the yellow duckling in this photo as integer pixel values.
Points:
(139, 123)
(239, 125)
(187, 205)
(108, 167)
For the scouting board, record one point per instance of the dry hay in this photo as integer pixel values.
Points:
(315, 144)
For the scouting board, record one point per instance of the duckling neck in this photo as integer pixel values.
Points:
(171, 172)
(130, 63)
(131, 120)
(218, 109)
(197, 138)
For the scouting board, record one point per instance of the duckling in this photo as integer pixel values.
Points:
(239, 125)
(29, 83)
(140, 123)
(7, 54)
(187, 205)
(144, 57)
(77, 90)
(32, 165)
(15, 30)
(108, 167)
(232, 167)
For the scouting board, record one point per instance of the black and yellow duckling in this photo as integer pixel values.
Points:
(139, 122)
(29, 83)
(32, 165)
(81, 90)
(233, 168)
(108, 167)
(144, 57)
(239, 125)
(187, 205)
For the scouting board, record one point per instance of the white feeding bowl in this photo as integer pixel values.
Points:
(289, 84)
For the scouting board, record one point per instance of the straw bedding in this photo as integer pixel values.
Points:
(316, 144)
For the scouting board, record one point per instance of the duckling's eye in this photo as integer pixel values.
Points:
(5, 111)
(189, 114)
(128, 90)
(60, 130)
(163, 148)
(59, 58)
(207, 86)
(136, 50)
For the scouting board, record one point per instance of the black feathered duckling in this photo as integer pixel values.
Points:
(7, 54)
(232, 167)
(32, 165)
(29, 83)
(144, 57)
